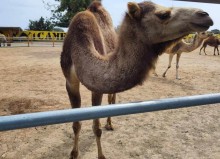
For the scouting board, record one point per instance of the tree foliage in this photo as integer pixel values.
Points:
(215, 31)
(66, 9)
(40, 24)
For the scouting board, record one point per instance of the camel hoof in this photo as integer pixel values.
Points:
(101, 157)
(74, 154)
(109, 127)
(163, 75)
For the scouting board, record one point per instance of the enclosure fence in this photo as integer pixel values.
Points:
(71, 115)
(33, 41)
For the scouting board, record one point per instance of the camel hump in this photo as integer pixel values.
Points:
(88, 28)
(83, 30)
(105, 24)
(94, 6)
(83, 20)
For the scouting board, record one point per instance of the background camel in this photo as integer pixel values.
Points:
(146, 31)
(181, 47)
(211, 41)
(2, 39)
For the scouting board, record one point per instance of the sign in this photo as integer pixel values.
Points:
(42, 35)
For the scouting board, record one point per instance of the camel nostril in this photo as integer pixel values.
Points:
(202, 14)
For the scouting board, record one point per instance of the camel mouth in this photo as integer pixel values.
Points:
(200, 27)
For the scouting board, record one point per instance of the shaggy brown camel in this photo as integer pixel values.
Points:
(146, 31)
(181, 47)
(211, 41)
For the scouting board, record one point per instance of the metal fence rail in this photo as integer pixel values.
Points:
(69, 115)
(203, 1)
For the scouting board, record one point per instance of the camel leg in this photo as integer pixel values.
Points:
(154, 71)
(96, 101)
(214, 50)
(204, 50)
(217, 50)
(169, 66)
(177, 65)
(75, 100)
(200, 50)
(111, 100)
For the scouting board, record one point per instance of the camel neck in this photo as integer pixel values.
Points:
(197, 41)
(121, 70)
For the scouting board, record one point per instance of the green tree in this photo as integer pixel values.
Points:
(215, 31)
(63, 12)
(40, 24)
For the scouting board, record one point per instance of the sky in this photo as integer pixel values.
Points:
(17, 13)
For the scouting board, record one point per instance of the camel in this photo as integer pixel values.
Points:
(2, 40)
(181, 47)
(211, 41)
(146, 31)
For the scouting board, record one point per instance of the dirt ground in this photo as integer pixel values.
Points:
(32, 81)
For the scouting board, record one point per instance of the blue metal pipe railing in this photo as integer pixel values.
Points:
(70, 115)
(202, 1)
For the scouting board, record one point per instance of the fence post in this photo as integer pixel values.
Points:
(8, 41)
(53, 41)
(31, 39)
(28, 41)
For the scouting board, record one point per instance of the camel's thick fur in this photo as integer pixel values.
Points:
(91, 56)
(181, 47)
(211, 41)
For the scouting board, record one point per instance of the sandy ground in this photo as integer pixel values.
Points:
(32, 81)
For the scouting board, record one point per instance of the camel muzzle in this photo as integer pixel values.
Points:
(203, 19)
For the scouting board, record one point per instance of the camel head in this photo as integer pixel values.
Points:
(160, 24)
(203, 35)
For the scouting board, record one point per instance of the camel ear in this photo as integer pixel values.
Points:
(134, 10)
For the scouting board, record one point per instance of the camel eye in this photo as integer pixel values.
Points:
(163, 15)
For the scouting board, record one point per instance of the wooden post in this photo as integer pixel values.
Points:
(53, 41)
(28, 41)
(31, 39)
(8, 41)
